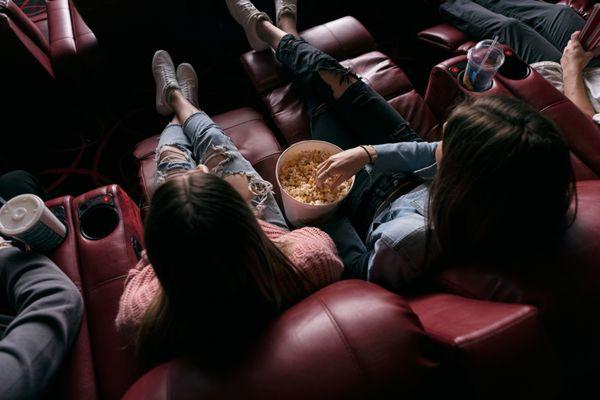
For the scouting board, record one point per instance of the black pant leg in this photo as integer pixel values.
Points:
(481, 23)
(371, 118)
(324, 123)
(555, 22)
(18, 182)
(362, 115)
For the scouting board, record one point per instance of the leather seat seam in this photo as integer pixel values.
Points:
(344, 340)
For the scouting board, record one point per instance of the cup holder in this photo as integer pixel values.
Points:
(461, 82)
(98, 221)
(514, 68)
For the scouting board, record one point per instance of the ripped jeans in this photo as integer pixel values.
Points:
(359, 116)
(197, 142)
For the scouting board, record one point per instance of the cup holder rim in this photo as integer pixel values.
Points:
(528, 72)
(87, 217)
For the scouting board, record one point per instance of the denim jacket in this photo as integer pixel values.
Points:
(393, 252)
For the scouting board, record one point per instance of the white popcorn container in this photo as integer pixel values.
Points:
(298, 213)
(27, 219)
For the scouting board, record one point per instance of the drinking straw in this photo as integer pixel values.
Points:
(487, 55)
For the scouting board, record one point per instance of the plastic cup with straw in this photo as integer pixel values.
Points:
(480, 72)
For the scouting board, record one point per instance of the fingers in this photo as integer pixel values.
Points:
(324, 165)
(337, 181)
(575, 35)
(324, 171)
(323, 175)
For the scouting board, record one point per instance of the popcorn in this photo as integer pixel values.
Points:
(298, 179)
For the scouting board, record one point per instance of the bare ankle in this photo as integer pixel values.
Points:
(287, 22)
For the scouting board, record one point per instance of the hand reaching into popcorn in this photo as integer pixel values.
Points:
(343, 166)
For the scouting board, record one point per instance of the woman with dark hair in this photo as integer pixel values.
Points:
(502, 182)
(221, 261)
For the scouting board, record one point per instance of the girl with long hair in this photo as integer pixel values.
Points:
(220, 261)
(501, 183)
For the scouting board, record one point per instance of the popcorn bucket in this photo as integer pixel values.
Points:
(297, 212)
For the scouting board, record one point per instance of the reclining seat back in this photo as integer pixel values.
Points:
(347, 40)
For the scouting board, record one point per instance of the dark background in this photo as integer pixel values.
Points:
(81, 136)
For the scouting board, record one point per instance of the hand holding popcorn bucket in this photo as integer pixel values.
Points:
(303, 202)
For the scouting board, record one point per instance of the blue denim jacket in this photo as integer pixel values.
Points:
(393, 252)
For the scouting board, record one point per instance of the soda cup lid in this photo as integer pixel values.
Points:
(20, 213)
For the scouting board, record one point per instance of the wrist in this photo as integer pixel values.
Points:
(571, 72)
(369, 152)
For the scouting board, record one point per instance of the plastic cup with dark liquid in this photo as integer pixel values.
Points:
(483, 61)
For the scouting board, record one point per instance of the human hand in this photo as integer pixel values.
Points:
(341, 166)
(575, 58)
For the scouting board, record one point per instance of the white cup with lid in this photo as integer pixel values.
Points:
(27, 219)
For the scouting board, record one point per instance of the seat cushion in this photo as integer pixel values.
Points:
(347, 40)
(244, 126)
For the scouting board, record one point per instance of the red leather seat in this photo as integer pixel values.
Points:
(477, 341)
(247, 130)
(352, 339)
(347, 40)
(444, 40)
(55, 40)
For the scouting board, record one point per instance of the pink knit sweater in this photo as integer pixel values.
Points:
(311, 250)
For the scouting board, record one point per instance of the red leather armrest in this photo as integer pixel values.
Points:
(69, 36)
(85, 40)
(494, 349)
(14, 13)
(443, 36)
(63, 49)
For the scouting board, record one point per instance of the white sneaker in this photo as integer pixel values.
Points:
(244, 12)
(285, 7)
(188, 81)
(165, 79)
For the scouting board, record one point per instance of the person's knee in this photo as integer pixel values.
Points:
(510, 25)
(337, 81)
(18, 182)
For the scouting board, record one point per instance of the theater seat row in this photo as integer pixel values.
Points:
(484, 326)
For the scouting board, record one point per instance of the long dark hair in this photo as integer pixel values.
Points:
(505, 182)
(221, 277)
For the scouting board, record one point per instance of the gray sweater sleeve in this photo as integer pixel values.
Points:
(49, 310)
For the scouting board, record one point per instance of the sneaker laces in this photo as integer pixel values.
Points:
(167, 74)
(248, 10)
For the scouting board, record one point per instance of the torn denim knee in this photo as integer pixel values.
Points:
(258, 187)
(172, 160)
(304, 62)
